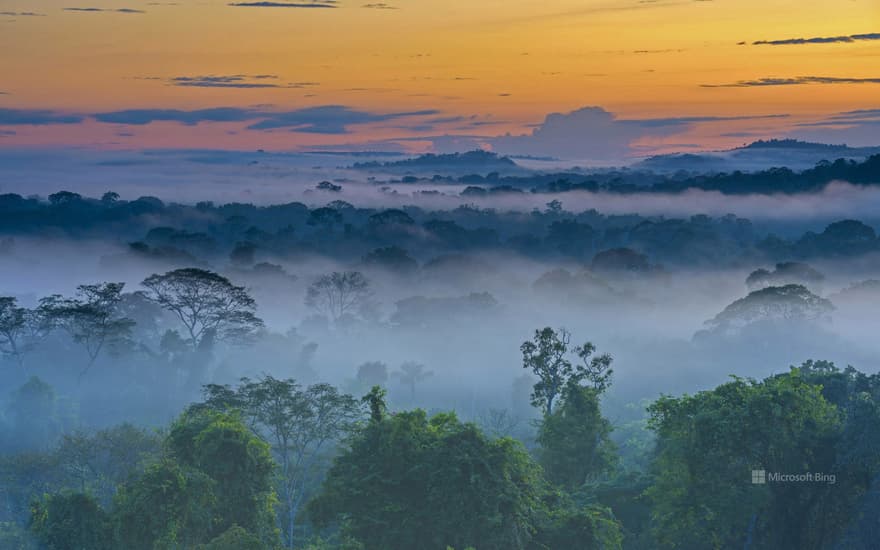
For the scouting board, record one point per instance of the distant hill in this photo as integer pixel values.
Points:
(756, 156)
(471, 162)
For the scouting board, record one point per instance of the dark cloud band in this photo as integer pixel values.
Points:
(820, 40)
(794, 81)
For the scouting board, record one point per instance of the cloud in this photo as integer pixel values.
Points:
(380, 6)
(33, 117)
(139, 117)
(819, 40)
(592, 133)
(235, 81)
(794, 81)
(329, 119)
(97, 10)
(265, 4)
(21, 14)
(855, 128)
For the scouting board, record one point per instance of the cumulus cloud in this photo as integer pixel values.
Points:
(820, 40)
(793, 81)
(592, 133)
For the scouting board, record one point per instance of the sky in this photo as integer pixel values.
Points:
(565, 78)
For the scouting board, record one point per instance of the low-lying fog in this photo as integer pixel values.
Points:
(469, 342)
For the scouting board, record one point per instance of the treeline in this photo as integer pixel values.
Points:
(788, 462)
(401, 239)
(763, 182)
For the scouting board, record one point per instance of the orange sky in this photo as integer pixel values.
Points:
(507, 62)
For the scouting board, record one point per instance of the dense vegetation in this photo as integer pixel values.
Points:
(404, 239)
(180, 410)
(270, 464)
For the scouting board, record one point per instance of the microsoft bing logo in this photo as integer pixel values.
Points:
(759, 477)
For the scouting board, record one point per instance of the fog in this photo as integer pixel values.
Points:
(276, 178)
(646, 321)
(150, 288)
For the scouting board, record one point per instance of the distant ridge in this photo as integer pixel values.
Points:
(796, 144)
(477, 161)
(756, 156)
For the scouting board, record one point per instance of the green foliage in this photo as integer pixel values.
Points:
(235, 538)
(238, 463)
(34, 416)
(546, 355)
(301, 425)
(574, 439)
(99, 462)
(589, 527)
(167, 503)
(408, 481)
(70, 521)
(14, 537)
(709, 443)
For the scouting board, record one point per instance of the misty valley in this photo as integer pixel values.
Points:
(443, 352)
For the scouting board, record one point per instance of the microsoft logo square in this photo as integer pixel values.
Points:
(759, 477)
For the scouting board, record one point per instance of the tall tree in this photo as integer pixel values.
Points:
(300, 424)
(575, 440)
(546, 355)
(70, 521)
(410, 375)
(208, 305)
(13, 328)
(92, 318)
(339, 294)
(408, 481)
(238, 463)
(708, 445)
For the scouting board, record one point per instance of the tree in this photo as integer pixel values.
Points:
(13, 328)
(392, 258)
(411, 374)
(785, 273)
(301, 425)
(97, 463)
(33, 415)
(596, 370)
(167, 504)
(70, 521)
(775, 303)
(208, 305)
(369, 374)
(708, 445)
(546, 355)
(92, 318)
(620, 260)
(110, 197)
(238, 463)
(575, 443)
(339, 294)
(407, 481)
(235, 538)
